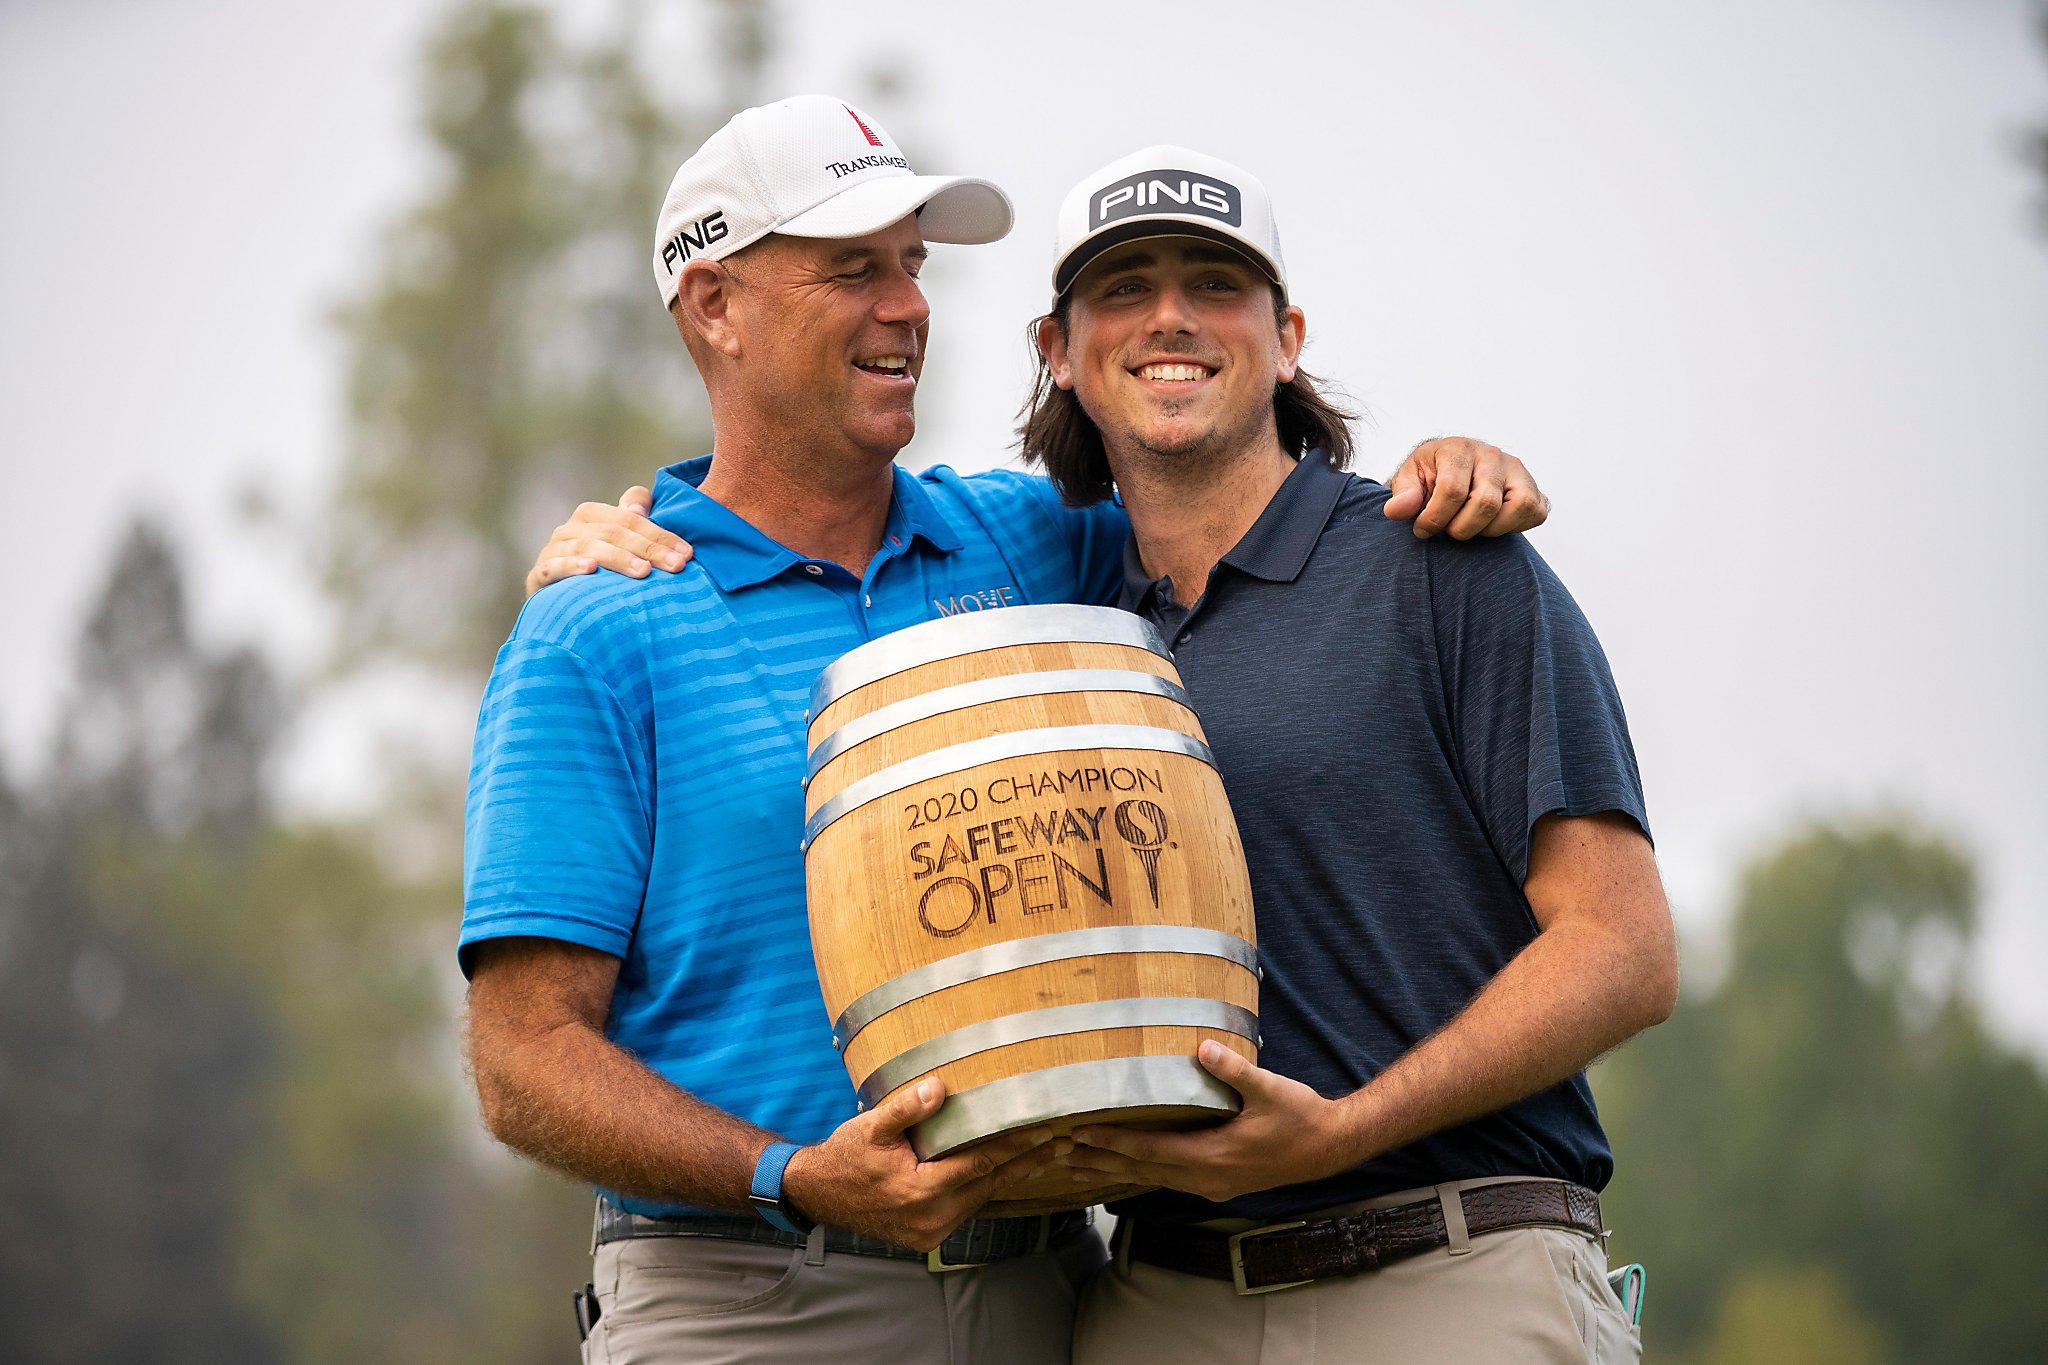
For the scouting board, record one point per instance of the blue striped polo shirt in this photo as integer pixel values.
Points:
(636, 785)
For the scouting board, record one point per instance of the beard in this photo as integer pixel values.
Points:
(1184, 448)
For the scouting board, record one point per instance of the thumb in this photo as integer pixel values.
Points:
(637, 499)
(1234, 1071)
(1411, 484)
(904, 1110)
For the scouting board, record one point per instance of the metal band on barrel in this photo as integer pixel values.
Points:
(971, 633)
(954, 758)
(1068, 1092)
(976, 963)
(1152, 1011)
(1052, 682)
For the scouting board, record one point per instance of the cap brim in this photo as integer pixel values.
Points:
(1077, 259)
(956, 209)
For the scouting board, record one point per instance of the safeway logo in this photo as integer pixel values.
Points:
(865, 131)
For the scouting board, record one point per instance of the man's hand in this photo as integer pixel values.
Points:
(1467, 487)
(867, 1178)
(619, 538)
(1285, 1134)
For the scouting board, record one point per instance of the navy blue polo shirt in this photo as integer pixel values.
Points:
(637, 781)
(1391, 717)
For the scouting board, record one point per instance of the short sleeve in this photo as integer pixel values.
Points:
(1095, 535)
(558, 828)
(1535, 716)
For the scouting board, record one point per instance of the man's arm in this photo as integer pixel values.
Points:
(554, 1087)
(1454, 484)
(1603, 967)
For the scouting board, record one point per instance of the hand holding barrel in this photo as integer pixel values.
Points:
(1286, 1134)
(865, 1177)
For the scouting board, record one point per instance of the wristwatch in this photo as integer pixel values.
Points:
(766, 1193)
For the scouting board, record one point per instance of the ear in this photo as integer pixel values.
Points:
(705, 299)
(1052, 344)
(1293, 333)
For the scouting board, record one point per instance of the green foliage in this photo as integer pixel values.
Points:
(131, 1092)
(512, 355)
(229, 1116)
(1778, 1316)
(1838, 1105)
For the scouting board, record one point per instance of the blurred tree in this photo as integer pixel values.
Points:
(511, 357)
(132, 1061)
(1776, 1316)
(1837, 1104)
(2036, 144)
(227, 1115)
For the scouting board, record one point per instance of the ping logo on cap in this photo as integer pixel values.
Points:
(694, 237)
(1166, 192)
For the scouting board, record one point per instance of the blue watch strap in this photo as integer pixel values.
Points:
(765, 1194)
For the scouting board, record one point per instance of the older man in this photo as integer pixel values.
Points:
(644, 1013)
(1458, 905)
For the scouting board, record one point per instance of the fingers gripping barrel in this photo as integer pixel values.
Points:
(1024, 879)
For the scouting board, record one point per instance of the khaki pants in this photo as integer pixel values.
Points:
(1523, 1295)
(698, 1300)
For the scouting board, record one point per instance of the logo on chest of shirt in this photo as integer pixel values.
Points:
(1002, 595)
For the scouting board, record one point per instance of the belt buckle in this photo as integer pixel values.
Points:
(939, 1265)
(1237, 1240)
(936, 1262)
(935, 1259)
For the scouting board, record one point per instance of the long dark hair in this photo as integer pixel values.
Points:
(1054, 433)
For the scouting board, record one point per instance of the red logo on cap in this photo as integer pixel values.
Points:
(866, 131)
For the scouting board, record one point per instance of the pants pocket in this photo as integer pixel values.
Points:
(1611, 1339)
(659, 1278)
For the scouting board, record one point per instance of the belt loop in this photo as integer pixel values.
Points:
(1120, 1244)
(814, 1245)
(1452, 1201)
(1044, 1233)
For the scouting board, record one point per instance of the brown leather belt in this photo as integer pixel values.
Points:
(1283, 1255)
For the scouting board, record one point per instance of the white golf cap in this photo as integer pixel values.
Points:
(1166, 192)
(809, 166)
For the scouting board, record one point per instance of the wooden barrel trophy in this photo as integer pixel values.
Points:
(1024, 879)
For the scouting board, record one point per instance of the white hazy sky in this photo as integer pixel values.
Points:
(1757, 289)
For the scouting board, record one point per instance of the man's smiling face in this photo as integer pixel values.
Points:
(1174, 348)
(835, 333)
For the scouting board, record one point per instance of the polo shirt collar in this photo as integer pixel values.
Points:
(914, 513)
(737, 555)
(1279, 543)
